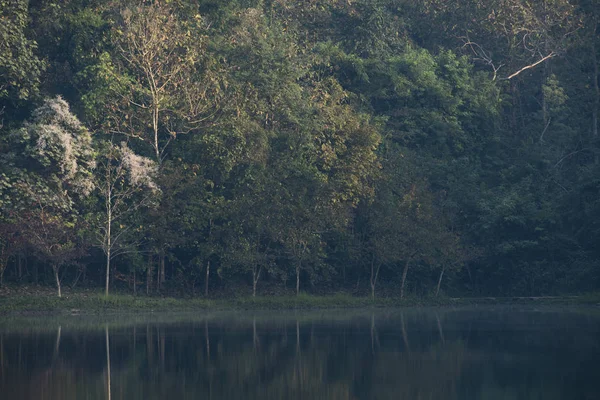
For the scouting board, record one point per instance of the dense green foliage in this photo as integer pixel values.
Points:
(256, 145)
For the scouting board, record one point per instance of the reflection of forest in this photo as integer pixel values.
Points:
(426, 355)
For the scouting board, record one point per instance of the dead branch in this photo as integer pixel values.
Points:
(549, 56)
(545, 129)
(482, 55)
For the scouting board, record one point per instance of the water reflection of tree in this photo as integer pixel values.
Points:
(310, 366)
(407, 358)
(108, 389)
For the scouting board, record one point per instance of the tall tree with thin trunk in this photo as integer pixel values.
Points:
(162, 83)
(161, 80)
(125, 182)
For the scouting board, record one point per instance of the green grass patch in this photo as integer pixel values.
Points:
(91, 302)
(86, 302)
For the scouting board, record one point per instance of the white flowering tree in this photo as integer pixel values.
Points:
(44, 179)
(125, 183)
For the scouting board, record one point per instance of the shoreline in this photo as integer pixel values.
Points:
(95, 303)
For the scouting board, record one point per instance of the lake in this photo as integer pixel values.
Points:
(465, 353)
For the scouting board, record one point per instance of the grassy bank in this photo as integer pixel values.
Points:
(98, 303)
(94, 302)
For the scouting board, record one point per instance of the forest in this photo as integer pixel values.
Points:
(243, 147)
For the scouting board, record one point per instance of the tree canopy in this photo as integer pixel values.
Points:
(271, 146)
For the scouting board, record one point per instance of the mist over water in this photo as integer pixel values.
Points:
(485, 352)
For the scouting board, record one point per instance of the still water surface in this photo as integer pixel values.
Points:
(477, 353)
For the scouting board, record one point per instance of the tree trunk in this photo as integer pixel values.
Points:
(26, 266)
(108, 244)
(134, 281)
(373, 278)
(546, 74)
(207, 277)
(255, 277)
(404, 273)
(80, 271)
(2, 373)
(596, 91)
(107, 273)
(55, 269)
(3, 265)
(162, 268)
(155, 114)
(298, 278)
(470, 275)
(3, 261)
(35, 271)
(546, 117)
(515, 105)
(437, 291)
(149, 274)
(158, 274)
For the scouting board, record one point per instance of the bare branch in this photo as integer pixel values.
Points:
(545, 129)
(549, 56)
(482, 55)
(570, 155)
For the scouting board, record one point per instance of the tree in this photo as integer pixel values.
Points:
(319, 157)
(250, 234)
(511, 35)
(20, 68)
(125, 183)
(49, 172)
(158, 79)
(406, 223)
(10, 243)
